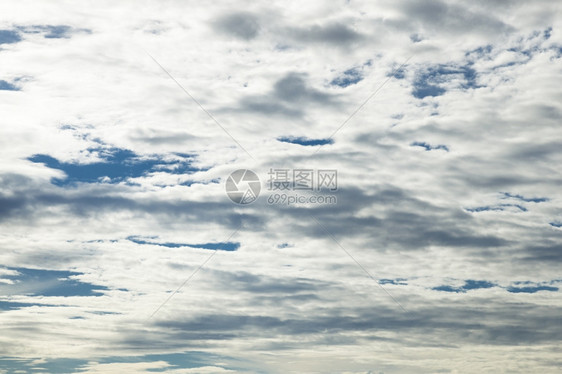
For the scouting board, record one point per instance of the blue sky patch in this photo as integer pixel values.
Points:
(348, 78)
(556, 224)
(38, 282)
(416, 38)
(424, 89)
(185, 360)
(12, 305)
(57, 32)
(117, 165)
(480, 52)
(429, 147)
(447, 289)
(428, 82)
(397, 281)
(507, 195)
(485, 208)
(7, 86)
(57, 365)
(304, 141)
(190, 183)
(469, 284)
(520, 207)
(477, 284)
(496, 208)
(48, 31)
(52, 31)
(506, 206)
(517, 287)
(219, 246)
(531, 289)
(9, 36)
(526, 52)
(398, 74)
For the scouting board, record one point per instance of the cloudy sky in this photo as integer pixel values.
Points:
(120, 251)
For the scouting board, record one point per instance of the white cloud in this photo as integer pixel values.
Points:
(418, 219)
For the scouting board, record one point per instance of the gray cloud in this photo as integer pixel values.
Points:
(454, 18)
(32, 201)
(162, 137)
(290, 96)
(289, 299)
(334, 33)
(242, 25)
(441, 325)
(293, 89)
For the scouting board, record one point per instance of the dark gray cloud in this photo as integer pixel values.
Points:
(531, 153)
(508, 324)
(549, 251)
(402, 220)
(11, 206)
(31, 200)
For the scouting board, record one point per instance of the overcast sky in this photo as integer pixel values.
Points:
(120, 122)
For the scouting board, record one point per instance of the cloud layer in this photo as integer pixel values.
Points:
(121, 252)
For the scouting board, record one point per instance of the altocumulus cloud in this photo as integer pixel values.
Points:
(120, 247)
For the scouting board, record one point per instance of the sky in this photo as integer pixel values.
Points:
(439, 251)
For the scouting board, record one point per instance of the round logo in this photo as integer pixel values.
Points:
(243, 186)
